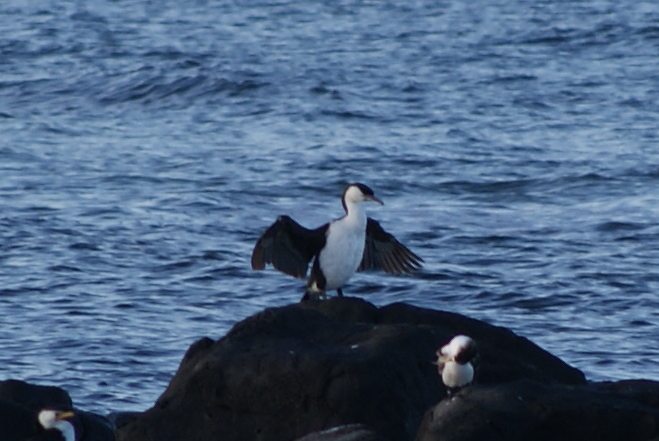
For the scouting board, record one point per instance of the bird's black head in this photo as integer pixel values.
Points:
(461, 349)
(365, 189)
(58, 424)
(466, 353)
(48, 417)
(356, 193)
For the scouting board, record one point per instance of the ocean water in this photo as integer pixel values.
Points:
(144, 146)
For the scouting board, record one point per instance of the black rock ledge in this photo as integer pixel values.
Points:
(344, 369)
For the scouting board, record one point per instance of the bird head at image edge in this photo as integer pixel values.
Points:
(57, 424)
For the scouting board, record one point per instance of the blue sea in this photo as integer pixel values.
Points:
(144, 146)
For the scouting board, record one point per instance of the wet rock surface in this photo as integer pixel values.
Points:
(527, 409)
(346, 370)
(291, 371)
(351, 432)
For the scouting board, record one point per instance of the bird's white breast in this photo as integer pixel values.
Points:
(456, 374)
(67, 430)
(344, 249)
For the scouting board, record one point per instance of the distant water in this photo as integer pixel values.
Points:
(145, 145)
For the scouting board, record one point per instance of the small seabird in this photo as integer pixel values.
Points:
(454, 363)
(338, 249)
(57, 424)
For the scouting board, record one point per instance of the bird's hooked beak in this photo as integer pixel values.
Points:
(374, 199)
(65, 414)
(441, 358)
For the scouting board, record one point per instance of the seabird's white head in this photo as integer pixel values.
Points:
(357, 193)
(454, 362)
(51, 419)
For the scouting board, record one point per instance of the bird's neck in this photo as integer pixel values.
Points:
(67, 430)
(355, 214)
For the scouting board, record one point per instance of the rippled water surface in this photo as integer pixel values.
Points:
(145, 145)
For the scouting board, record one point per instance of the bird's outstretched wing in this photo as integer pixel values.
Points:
(383, 251)
(288, 246)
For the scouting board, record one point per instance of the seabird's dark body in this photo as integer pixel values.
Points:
(351, 243)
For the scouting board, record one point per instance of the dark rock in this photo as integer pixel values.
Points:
(34, 397)
(526, 409)
(351, 432)
(20, 403)
(644, 391)
(303, 368)
(95, 427)
(120, 419)
(16, 422)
